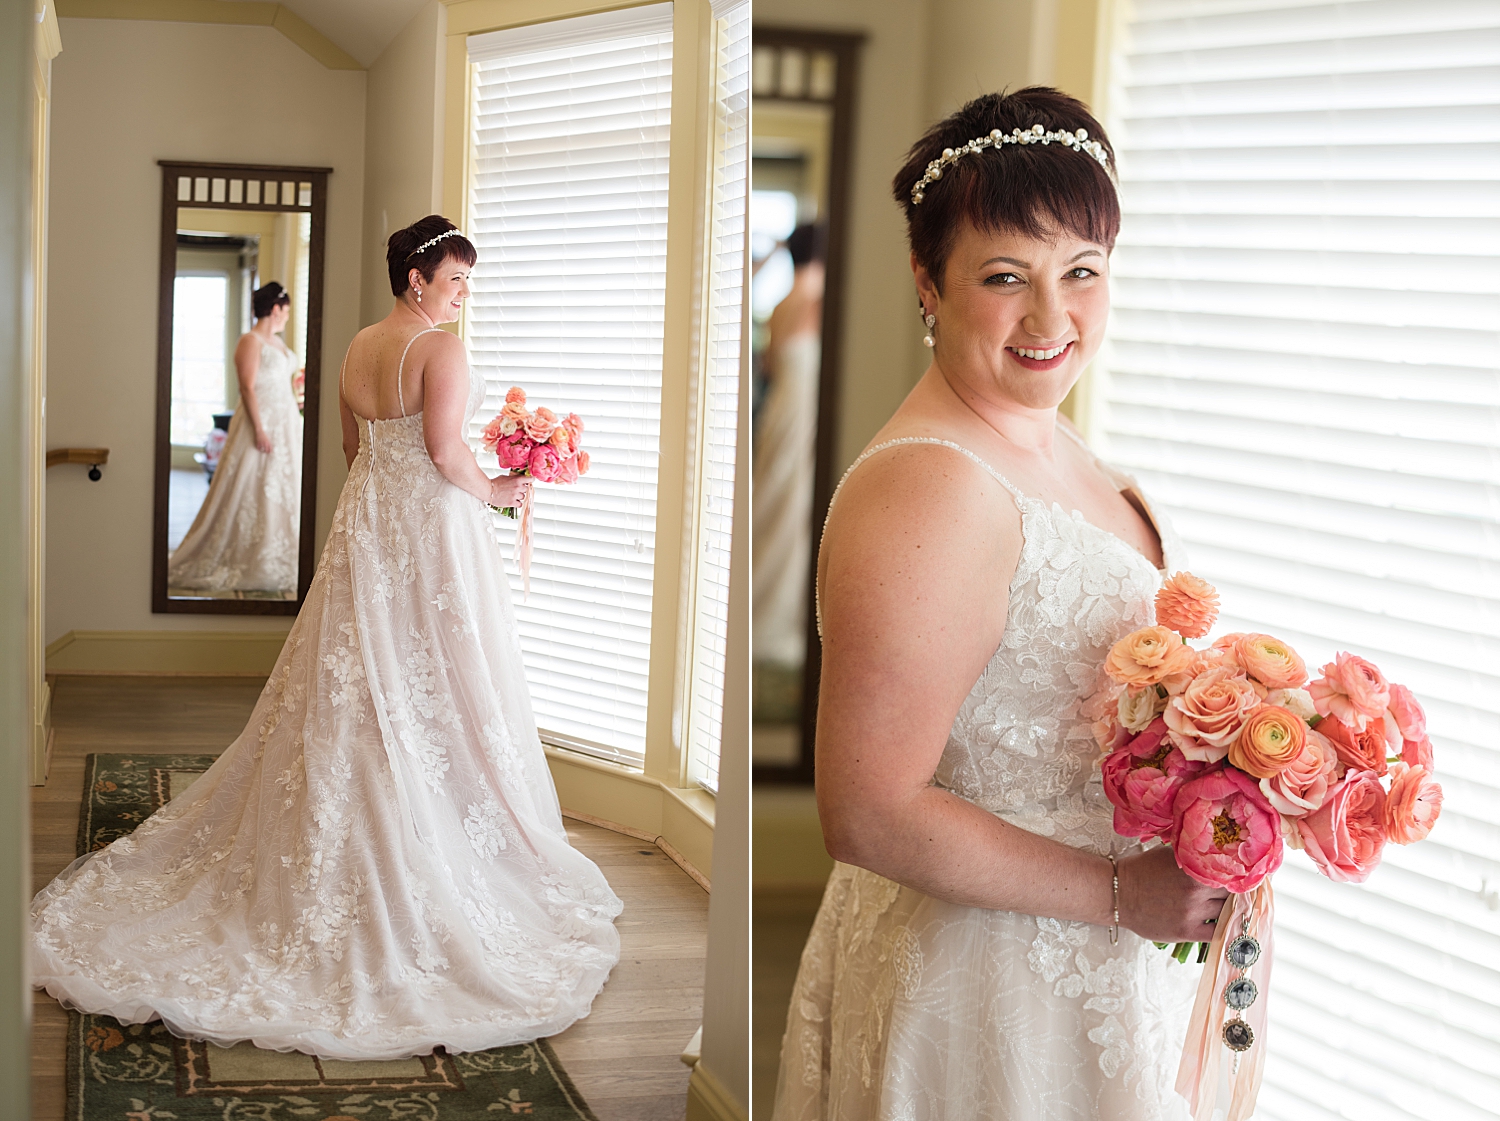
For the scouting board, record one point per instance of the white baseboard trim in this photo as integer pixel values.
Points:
(710, 1100)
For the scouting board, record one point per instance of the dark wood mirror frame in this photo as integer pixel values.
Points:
(212, 187)
(845, 47)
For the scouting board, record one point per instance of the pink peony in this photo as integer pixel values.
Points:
(544, 463)
(1206, 717)
(513, 451)
(1303, 785)
(1346, 834)
(1187, 604)
(1363, 751)
(541, 424)
(1142, 778)
(1224, 832)
(568, 471)
(1351, 689)
(1412, 806)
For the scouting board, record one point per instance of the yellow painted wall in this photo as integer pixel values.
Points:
(125, 94)
(403, 145)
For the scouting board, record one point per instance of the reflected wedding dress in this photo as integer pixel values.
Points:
(377, 865)
(245, 536)
(908, 1008)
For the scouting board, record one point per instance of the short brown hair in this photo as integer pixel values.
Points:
(401, 254)
(1033, 190)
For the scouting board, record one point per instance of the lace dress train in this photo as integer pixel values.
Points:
(907, 1008)
(377, 865)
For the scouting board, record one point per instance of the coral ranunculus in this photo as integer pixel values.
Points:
(1412, 806)
(583, 463)
(1224, 832)
(1346, 835)
(1303, 784)
(1206, 717)
(1187, 604)
(1363, 751)
(1268, 742)
(1266, 659)
(1411, 725)
(1145, 656)
(1141, 780)
(1351, 689)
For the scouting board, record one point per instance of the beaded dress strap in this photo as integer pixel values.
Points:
(1016, 492)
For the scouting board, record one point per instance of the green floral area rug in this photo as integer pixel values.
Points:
(141, 1072)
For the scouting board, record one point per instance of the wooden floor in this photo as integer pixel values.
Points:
(623, 1056)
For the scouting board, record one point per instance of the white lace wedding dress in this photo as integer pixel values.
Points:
(246, 533)
(377, 865)
(907, 1008)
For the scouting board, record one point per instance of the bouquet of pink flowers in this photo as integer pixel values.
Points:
(534, 443)
(1229, 753)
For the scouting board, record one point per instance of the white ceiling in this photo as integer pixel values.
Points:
(362, 28)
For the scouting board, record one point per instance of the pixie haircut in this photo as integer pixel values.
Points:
(1035, 190)
(401, 254)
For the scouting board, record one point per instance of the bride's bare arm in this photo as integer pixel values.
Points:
(445, 393)
(914, 573)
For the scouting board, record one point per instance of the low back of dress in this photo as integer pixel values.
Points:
(377, 865)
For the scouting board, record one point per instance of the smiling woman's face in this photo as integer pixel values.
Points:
(443, 296)
(1019, 318)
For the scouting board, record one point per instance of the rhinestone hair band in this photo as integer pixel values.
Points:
(426, 245)
(1079, 141)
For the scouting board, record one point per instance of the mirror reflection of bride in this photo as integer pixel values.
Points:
(377, 865)
(246, 533)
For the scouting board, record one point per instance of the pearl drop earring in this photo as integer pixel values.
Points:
(931, 322)
(419, 295)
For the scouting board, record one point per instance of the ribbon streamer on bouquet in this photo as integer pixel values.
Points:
(1204, 1049)
(523, 546)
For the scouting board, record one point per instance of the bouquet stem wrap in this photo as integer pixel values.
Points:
(1198, 1076)
(523, 547)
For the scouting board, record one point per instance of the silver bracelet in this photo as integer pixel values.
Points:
(1114, 927)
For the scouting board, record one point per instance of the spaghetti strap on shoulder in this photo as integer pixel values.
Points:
(401, 366)
(900, 441)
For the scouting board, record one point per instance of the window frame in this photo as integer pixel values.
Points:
(689, 209)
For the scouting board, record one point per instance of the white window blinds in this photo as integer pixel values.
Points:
(568, 209)
(1304, 368)
(722, 343)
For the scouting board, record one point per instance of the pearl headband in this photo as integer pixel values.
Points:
(1079, 141)
(429, 244)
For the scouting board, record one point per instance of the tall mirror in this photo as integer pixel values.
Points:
(239, 347)
(803, 91)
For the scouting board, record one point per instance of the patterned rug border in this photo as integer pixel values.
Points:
(84, 843)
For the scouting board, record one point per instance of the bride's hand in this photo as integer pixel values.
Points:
(509, 490)
(1161, 902)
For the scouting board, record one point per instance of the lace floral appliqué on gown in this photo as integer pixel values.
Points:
(378, 864)
(245, 536)
(907, 1008)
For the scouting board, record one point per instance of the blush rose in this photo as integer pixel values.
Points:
(1206, 717)
(1346, 835)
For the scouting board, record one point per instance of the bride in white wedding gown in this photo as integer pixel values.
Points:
(377, 865)
(976, 956)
